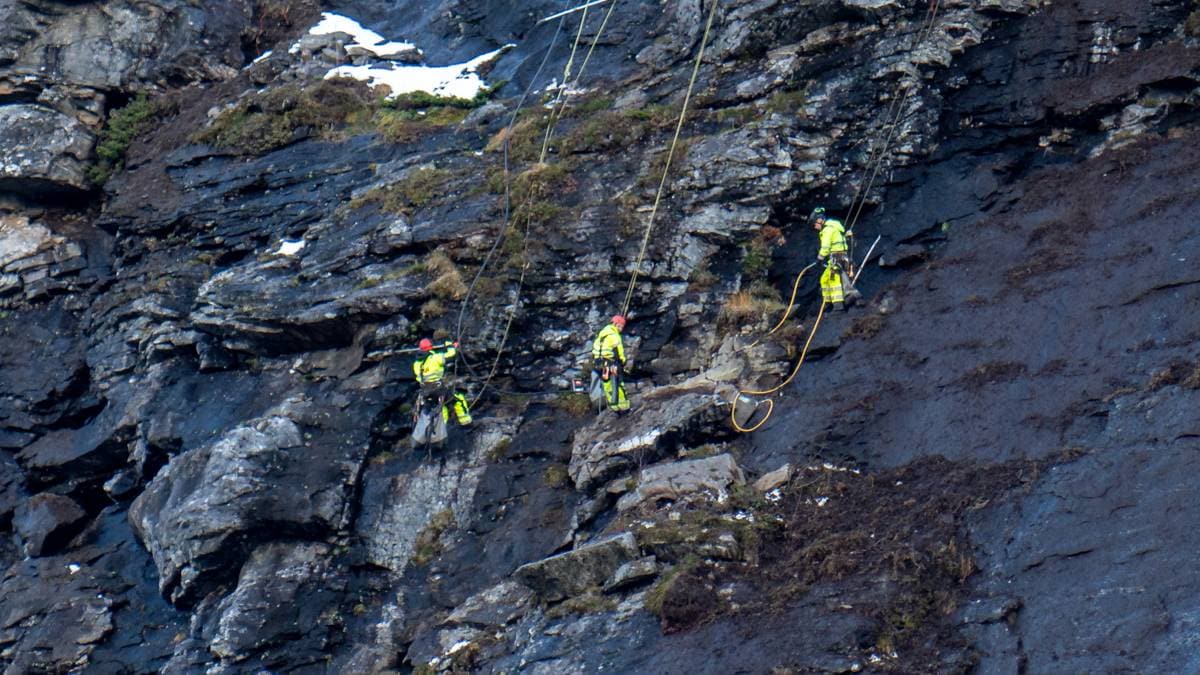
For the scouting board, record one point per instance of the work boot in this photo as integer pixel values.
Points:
(839, 306)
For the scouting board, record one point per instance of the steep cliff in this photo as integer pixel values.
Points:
(224, 227)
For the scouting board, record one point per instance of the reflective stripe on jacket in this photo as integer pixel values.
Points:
(608, 344)
(833, 238)
(433, 367)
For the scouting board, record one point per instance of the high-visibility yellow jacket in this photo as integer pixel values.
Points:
(432, 368)
(833, 238)
(608, 344)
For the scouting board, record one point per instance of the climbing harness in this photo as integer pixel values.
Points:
(429, 423)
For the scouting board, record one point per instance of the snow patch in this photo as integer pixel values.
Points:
(290, 246)
(364, 38)
(831, 467)
(460, 79)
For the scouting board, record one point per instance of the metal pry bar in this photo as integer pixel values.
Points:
(571, 11)
(865, 259)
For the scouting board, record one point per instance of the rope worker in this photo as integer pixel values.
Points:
(608, 364)
(836, 287)
(430, 371)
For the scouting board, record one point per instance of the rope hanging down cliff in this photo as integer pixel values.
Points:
(512, 121)
(558, 106)
(874, 162)
(895, 111)
(670, 155)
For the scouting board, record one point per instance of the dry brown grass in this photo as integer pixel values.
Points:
(745, 307)
(1179, 372)
(447, 281)
(865, 326)
(432, 309)
(525, 142)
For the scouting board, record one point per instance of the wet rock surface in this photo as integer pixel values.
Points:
(204, 391)
(574, 572)
(59, 156)
(712, 475)
(45, 521)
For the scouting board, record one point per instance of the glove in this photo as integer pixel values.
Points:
(819, 262)
(850, 233)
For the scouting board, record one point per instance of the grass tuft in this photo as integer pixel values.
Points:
(124, 125)
(429, 542)
(417, 189)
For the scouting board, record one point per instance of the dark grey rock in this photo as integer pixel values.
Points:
(903, 256)
(575, 572)
(40, 629)
(58, 158)
(631, 573)
(658, 423)
(197, 514)
(499, 605)
(281, 598)
(46, 521)
(1027, 240)
(989, 610)
(679, 480)
(12, 487)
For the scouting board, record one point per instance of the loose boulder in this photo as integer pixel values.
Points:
(46, 521)
(676, 480)
(575, 572)
(258, 479)
(55, 162)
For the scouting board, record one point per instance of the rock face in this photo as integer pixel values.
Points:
(198, 514)
(58, 156)
(573, 573)
(1087, 550)
(276, 580)
(45, 521)
(668, 420)
(207, 382)
(711, 475)
(61, 62)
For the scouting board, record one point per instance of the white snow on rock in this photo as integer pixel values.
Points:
(290, 246)
(461, 79)
(364, 38)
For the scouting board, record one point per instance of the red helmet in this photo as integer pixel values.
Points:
(426, 345)
(618, 321)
